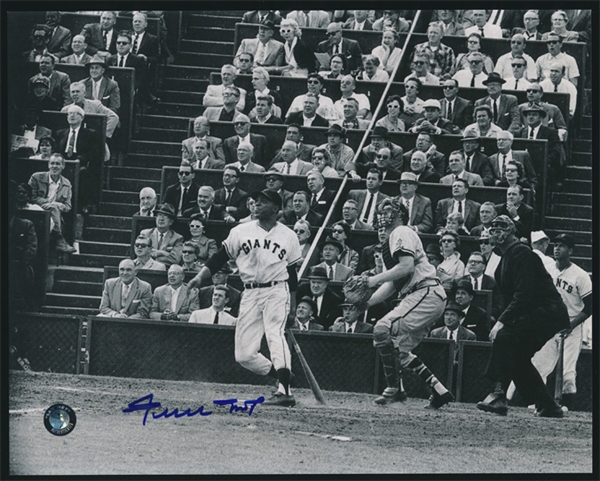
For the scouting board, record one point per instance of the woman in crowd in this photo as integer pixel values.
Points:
(251, 206)
(260, 82)
(372, 71)
(392, 121)
(456, 223)
(388, 53)
(45, 148)
(299, 58)
(302, 230)
(451, 268)
(337, 65)
(189, 257)
(559, 26)
(207, 247)
(473, 45)
(412, 105)
(341, 232)
(323, 163)
(514, 176)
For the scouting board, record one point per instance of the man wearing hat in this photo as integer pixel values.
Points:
(99, 87)
(457, 164)
(267, 52)
(432, 122)
(539, 245)
(505, 107)
(330, 251)
(474, 76)
(535, 312)
(420, 215)
(554, 117)
(274, 181)
(380, 138)
(326, 300)
(167, 244)
(456, 109)
(305, 313)
(78, 57)
(59, 81)
(349, 322)
(221, 277)
(291, 164)
(475, 161)
(434, 254)
(453, 330)
(266, 253)
(342, 155)
(475, 318)
(39, 98)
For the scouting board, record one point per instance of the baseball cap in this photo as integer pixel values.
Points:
(267, 194)
(538, 235)
(565, 239)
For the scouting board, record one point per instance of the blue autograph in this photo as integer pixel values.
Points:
(147, 403)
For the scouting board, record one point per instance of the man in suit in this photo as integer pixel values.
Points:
(78, 57)
(59, 81)
(147, 202)
(242, 125)
(214, 93)
(505, 108)
(351, 120)
(245, 151)
(295, 133)
(554, 117)
(475, 318)
(310, 18)
(174, 301)
(457, 110)
(580, 22)
(457, 203)
(230, 195)
(331, 250)
(475, 161)
(260, 16)
(326, 300)
(274, 181)
(40, 36)
(321, 197)
(31, 127)
(380, 138)
(424, 143)
(142, 249)
(480, 281)
(202, 132)
(220, 278)
(226, 113)
(89, 106)
(267, 53)
(420, 217)
(487, 213)
(432, 122)
(367, 261)
(60, 37)
(126, 296)
(167, 244)
(301, 210)
(360, 21)
(505, 154)
(216, 313)
(424, 172)
(349, 322)
(518, 211)
(308, 117)
(456, 163)
(368, 199)
(205, 205)
(263, 110)
(290, 164)
(124, 58)
(102, 37)
(306, 310)
(99, 87)
(145, 45)
(453, 330)
(335, 43)
(350, 216)
(183, 194)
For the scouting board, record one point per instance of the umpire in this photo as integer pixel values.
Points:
(535, 312)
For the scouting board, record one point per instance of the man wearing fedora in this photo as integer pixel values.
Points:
(505, 107)
(326, 300)
(78, 57)
(474, 318)
(330, 251)
(453, 330)
(305, 314)
(99, 87)
(266, 51)
(167, 244)
(432, 122)
(420, 214)
(475, 161)
(349, 322)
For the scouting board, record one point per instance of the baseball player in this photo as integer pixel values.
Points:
(422, 302)
(265, 253)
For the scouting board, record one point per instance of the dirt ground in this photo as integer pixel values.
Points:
(349, 435)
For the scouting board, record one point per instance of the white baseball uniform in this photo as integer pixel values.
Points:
(573, 284)
(262, 258)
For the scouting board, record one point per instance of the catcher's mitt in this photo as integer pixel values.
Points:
(356, 291)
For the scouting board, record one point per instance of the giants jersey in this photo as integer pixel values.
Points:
(406, 241)
(573, 284)
(262, 256)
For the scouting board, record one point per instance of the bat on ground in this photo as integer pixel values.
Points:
(558, 383)
(314, 385)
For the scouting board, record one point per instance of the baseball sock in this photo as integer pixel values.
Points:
(388, 358)
(284, 377)
(423, 371)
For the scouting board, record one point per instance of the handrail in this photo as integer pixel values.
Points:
(359, 149)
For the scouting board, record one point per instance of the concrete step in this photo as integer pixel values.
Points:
(210, 19)
(204, 59)
(71, 311)
(586, 121)
(186, 71)
(578, 172)
(214, 34)
(578, 186)
(582, 145)
(109, 221)
(80, 274)
(134, 184)
(581, 158)
(223, 48)
(135, 173)
(167, 135)
(180, 110)
(156, 148)
(70, 300)
(580, 237)
(166, 122)
(105, 248)
(186, 84)
(572, 210)
(181, 96)
(99, 234)
(115, 208)
(123, 197)
(572, 198)
(79, 288)
(152, 162)
(568, 224)
(95, 260)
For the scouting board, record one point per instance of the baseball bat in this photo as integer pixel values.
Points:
(314, 385)
(558, 383)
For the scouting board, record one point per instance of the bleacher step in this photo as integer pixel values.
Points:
(80, 274)
(71, 300)
(104, 248)
(223, 48)
(568, 224)
(582, 145)
(71, 311)
(188, 72)
(180, 110)
(572, 210)
(95, 260)
(135, 173)
(186, 84)
(580, 237)
(578, 186)
(109, 221)
(210, 19)
(113, 208)
(581, 158)
(572, 198)
(152, 161)
(208, 59)
(108, 235)
(579, 172)
(181, 96)
(166, 135)
(80, 288)
(215, 34)
(156, 148)
(121, 196)
(119, 183)
(170, 122)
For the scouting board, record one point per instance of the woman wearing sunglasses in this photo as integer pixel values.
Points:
(392, 121)
(451, 268)
(207, 247)
(462, 59)
(302, 230)
(341, 232)
(299, 58)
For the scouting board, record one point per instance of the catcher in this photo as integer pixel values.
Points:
(422, 302)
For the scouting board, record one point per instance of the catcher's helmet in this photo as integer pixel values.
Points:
(501, 228)
(391, 210)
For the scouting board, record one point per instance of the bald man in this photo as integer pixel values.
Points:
(291, 164)
(126, 295)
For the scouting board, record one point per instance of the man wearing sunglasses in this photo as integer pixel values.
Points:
(456, 109)
(517, 80)
(124, 58)
(553, 118)
(182, 195)
(517, 49)
(143, 260)
(474, 76)
(266, 51)
(326, 108)
(554, 43)
(336, 44)
(241, 124)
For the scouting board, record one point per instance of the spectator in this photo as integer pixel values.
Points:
(475, 319)
(174, 301)
(360, 21)
(99, 87)
(305, 312)
(337, 44)
(45, 148)
(302, 230)
(146, 46)
(420, 218)
(207, 247)
(142, 249)
(263, 111)
(483, 126)
(261, 16)
(320, 197)
(517, 80)
(59, 81)
(166, 243)
(125, 58)
(463, 61)
(442, 56)
(52, 191)
(370, 256)
(206, 207)
(230, 195)
(39, 94)
(274, 182)
(372, 71)
(539, 244)
(456, 223)
(189, 257)
(301, 211)
(412, 105)
(505, 154)
(341, 232)
(558, 83)
(337, 65)
(419, 166)
(260, 83)
(487, 213)
(383, 163)
(555, 54)
(457, 203)
(517, 50)
(220, 278)
(331, 250)
(299, 60)
(475, 161)
(531, 20)
(216, 313)
(455, 109)
(30, 130)
(245, 151)
(226, 113)
(481, 281)
(126, 296)
(518, 211)
(348, 87)
(60, 37)
(244, 62)
(183, 194)
(326, 299)
(202, 132)
(242, 126)
(314, 86)
(350, 119)
(380, 139)
(453, 330)
(308, 117)
(310, 18)
(350, 216)
(40, 36)
(554, 117)
(323, 163)
(474, 76)
(200, 158)
(147, 202)
(491, 258)
(78, 47)
(304, 151)
(432, 122)
(391, 19)
(513, 175)
(580, 23)
(251, 208)
(482, 26)
(434, 255)
(290, 164)
(102, 37)
(349, 323)
(388, 52)
(342, 156)
(392, 121)
(368, 199)
(456, 164)
(559, 28)
(424, 143)
(448, 22)
(505, 108)
(268, 53)
(214, 93)
(420, 67)
(451, 268)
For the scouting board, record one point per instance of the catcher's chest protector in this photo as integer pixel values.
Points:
(390, 262)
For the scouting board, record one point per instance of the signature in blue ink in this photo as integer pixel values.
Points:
(147, 403)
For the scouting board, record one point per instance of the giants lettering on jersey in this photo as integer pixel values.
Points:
(564, 285)
(263, 244)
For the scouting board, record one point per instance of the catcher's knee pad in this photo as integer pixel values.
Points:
(405, 358)
(382, 336)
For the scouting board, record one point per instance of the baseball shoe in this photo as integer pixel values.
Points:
(494, 403)
(280, 399)
(553, 412)
(276, 390)
(436, 400)
(391, 395)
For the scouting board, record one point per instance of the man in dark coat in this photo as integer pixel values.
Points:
(327, 301)
(534, 313)
(335, 43)
(220, 278)
(173, 194)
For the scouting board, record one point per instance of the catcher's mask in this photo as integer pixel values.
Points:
(390, 211)
(501, 228)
